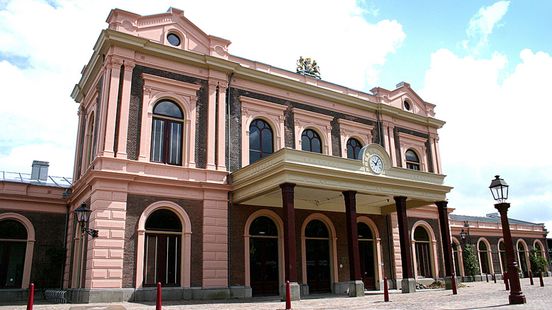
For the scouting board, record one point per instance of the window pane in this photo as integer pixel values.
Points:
(316, 229)
(411, 156)
(254, 139)
(12, 229)
(353, 148)
(305, 143)
(175, 144)
(263, 226)
(420, 234)
(164, 220)
(316, 145)
(267, 141)
(157, 140)
(254, 156)
(167, 108)
(364, 232)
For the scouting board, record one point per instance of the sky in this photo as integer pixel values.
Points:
(485, 64)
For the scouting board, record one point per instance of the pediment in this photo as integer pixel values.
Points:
(157, 28)
(405, 98)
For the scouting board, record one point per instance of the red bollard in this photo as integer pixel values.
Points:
(494, 278)
(487, 277)
(540, 278)
(30, 302)
(159, 297)
(385, 290)
(531, 278)
(453, 280)
(505, 277)
(288, 296)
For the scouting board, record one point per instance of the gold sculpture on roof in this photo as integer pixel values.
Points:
(308, 66)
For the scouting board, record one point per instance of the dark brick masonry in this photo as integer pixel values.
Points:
(240, 213)
(135, 206)
(234, 158)
(48, 254)
(136, 106)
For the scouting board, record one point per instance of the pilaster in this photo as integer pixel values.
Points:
(215, 240)
(124, 112)
(114, 67)
(211, 120)
(104, 266)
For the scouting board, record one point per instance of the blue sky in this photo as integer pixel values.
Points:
(485, 64)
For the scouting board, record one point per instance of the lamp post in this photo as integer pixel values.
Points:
(499, 189)
(82, 214)
(465, 236)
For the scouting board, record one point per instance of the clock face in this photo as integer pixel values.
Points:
(376, 164)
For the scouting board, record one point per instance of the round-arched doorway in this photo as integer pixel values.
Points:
(423, 253)
(367, 251)
(13, 244)
(263, 257)
(317, 245)
(163, 245)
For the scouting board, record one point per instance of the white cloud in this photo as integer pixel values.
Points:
(482, 24)
(497, 122)
(38, 116)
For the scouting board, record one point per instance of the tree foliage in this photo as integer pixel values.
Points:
(471, 264)
(308, 66)
(538, 262)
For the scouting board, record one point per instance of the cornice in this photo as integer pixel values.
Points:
(110, 38)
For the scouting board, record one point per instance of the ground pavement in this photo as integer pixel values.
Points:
(477, 295)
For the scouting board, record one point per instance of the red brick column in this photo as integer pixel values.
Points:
(352, 235)
(289, 232)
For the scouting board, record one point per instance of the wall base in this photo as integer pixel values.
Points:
(296, 291)
(356, 288)
(408, 285)
(85, 295)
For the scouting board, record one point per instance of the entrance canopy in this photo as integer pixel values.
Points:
(321, 179)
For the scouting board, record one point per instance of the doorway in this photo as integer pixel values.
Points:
(317, 244)
(367, 256)
(263, 257)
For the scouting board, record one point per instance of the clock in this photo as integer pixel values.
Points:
(376, 163)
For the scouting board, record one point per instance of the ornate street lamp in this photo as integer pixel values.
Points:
(465, 235)
(82, 214)
(499, 189)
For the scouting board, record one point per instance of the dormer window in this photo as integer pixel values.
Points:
(173, 39)
(407, 106)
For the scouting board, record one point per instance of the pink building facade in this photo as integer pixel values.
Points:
(222, 177)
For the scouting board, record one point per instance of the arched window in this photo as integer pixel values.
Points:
(522, 258)
(310, 141)
(353, 148)
(412, 160)
(13, 244)
(260, 140)
(263, 257)
(456, 257)
(166, 134)
(484, 257)
(89, 152)
(162, 248)
(423, 258)
(502, 254)
(538, 248)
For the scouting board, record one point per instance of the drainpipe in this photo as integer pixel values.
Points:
(228, 129)
(66, 195)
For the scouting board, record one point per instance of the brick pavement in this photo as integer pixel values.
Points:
(478, 295)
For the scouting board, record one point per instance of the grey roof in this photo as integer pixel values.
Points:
(490, 218)
(19, 177)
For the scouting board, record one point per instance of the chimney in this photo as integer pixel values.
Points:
(40, 171)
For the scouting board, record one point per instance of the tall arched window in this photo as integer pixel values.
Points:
(90, 140)
(353, 148)
(522, 258)
(484, 257)
(166, 134)
(502, 254)
(423, 258)
(162, 249)
(310, 141)
(13, 243)
(412, 160)
(260, 140)
(263, 257)
(456, 258)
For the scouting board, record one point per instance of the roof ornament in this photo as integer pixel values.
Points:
(308, 66)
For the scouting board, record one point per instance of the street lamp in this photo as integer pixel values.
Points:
(82, 214)
(465, 235)
(499, 189)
